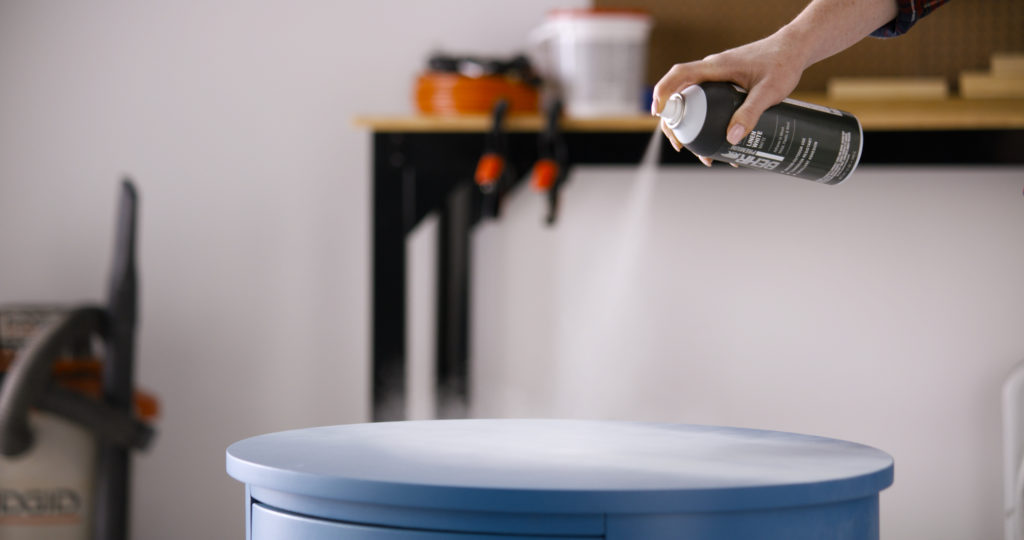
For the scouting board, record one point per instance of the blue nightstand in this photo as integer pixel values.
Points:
(556, 479)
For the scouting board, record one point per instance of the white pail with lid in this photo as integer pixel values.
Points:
(596, 58)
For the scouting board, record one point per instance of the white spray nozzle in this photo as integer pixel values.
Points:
(672, 114)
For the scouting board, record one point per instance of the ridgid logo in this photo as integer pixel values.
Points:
(40, 506)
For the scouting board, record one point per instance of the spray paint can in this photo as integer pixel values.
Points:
(794, 138)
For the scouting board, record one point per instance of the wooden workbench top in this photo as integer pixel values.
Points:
(909, 115)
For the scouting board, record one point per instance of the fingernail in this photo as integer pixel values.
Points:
(654, 106)
(735, 134)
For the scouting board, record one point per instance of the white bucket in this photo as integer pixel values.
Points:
(597, 59)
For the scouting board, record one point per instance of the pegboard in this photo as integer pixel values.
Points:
(960, 35)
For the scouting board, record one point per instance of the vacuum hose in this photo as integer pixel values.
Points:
(28, 384)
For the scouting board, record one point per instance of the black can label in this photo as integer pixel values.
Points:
(800, 139)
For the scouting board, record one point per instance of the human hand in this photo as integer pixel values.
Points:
(769, 69)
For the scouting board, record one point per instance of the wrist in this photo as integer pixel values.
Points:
(799, 42)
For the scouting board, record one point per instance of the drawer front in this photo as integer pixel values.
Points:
(272, 524)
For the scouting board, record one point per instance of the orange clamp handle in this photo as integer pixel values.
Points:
(545, 173)
(489, 169)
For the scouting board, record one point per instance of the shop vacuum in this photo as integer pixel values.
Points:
(69, 413)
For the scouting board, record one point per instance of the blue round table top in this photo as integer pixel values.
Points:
(564, 466)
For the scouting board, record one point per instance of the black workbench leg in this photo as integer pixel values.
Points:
(391, 187)
(453, 302)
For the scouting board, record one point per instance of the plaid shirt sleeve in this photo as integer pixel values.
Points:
(910, 11)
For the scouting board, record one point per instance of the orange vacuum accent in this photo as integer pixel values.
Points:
(83, 375)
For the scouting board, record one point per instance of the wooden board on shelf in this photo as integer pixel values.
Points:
(984, 85)
(887, 88)
(1007, 64)
(888, 115)
(514, 123)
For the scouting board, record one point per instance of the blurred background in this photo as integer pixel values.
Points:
(887, 310)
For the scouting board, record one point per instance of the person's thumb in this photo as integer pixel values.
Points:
(747, 115)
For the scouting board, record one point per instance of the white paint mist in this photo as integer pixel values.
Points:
(598, 301)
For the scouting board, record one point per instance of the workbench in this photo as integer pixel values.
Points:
(424, 165)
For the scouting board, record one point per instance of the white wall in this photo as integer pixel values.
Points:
(235, 118)
(886, 310)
